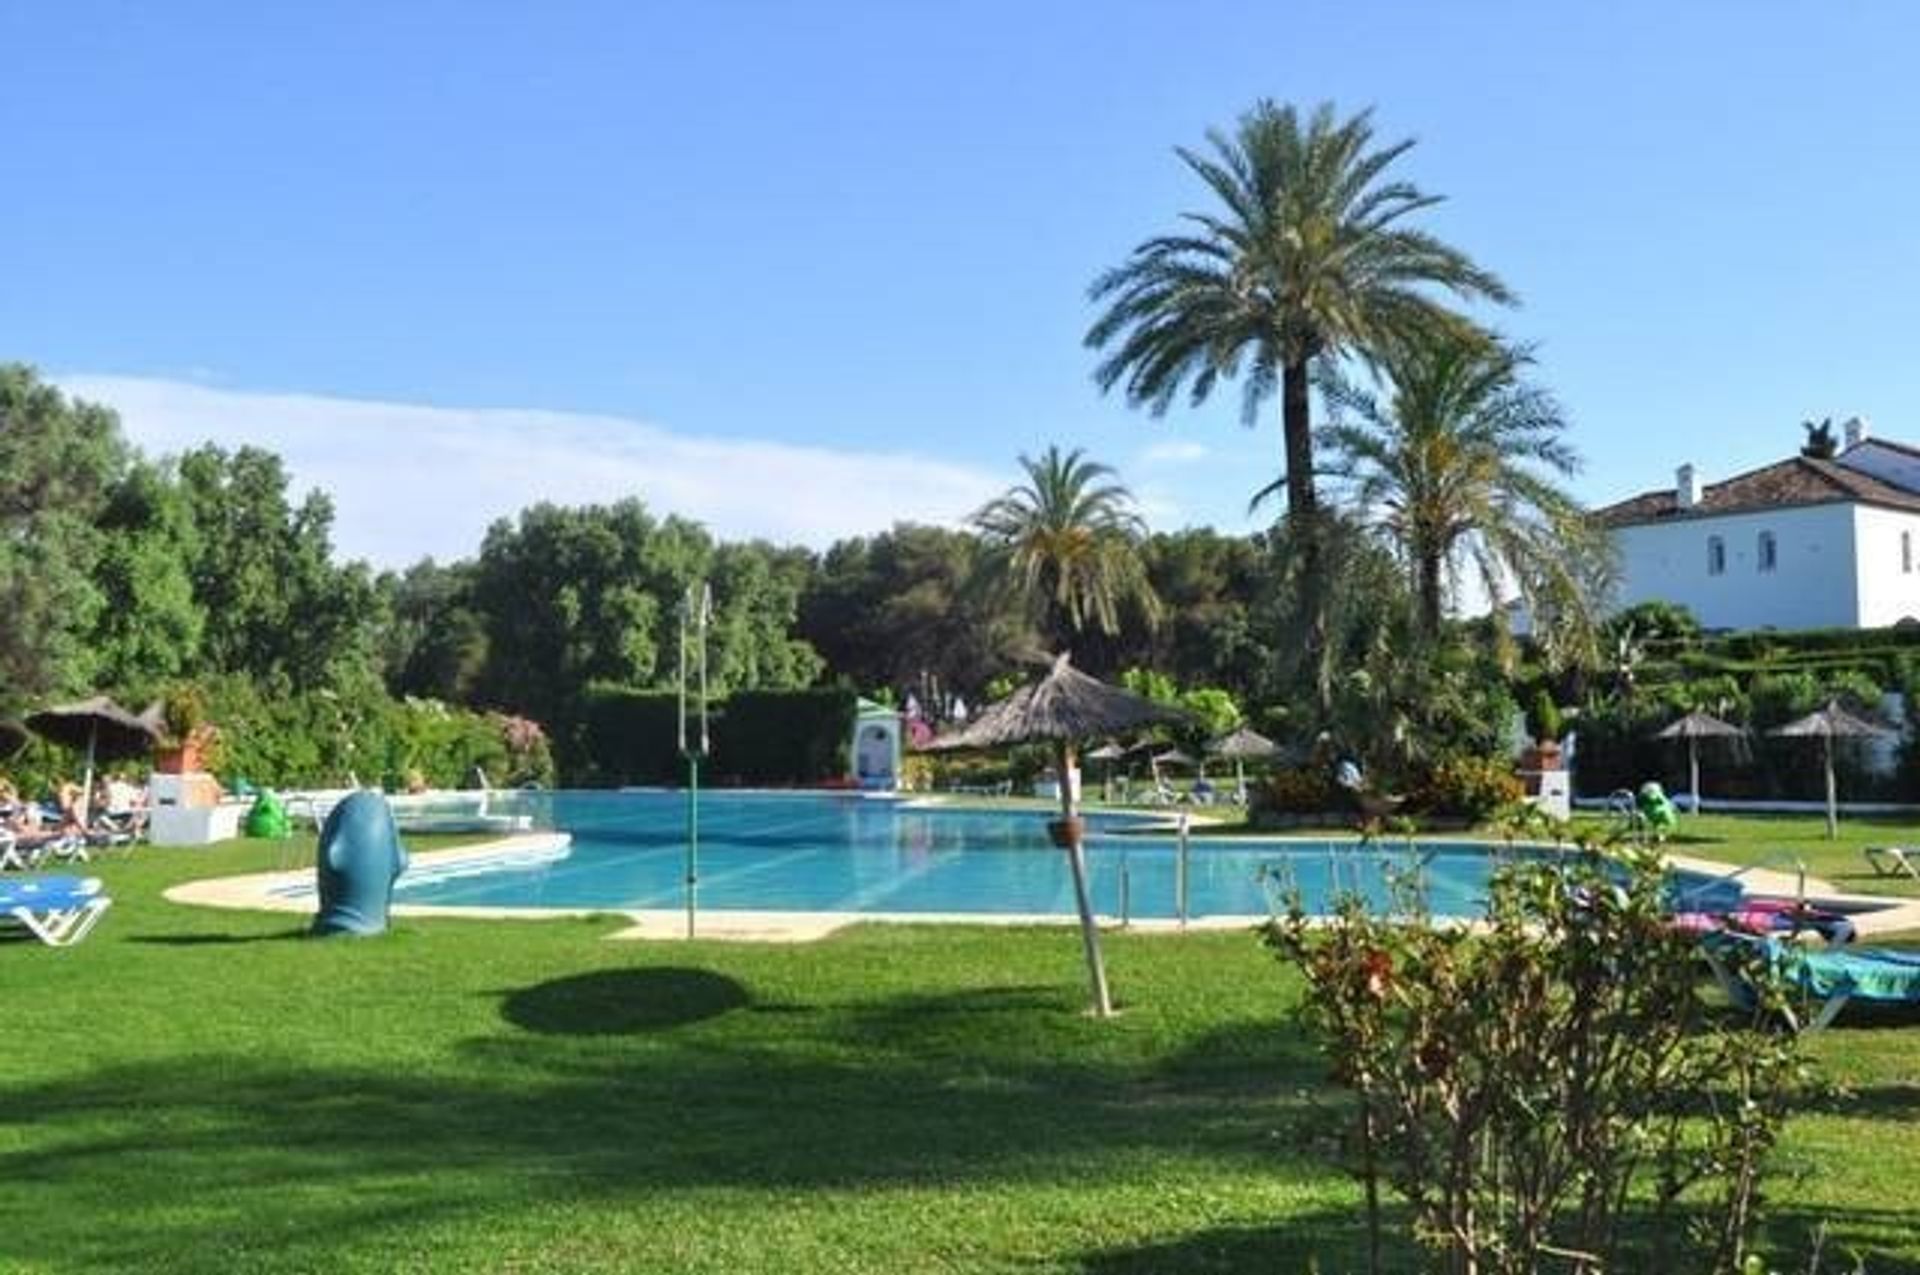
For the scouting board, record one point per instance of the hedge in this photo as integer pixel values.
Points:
(759, 738)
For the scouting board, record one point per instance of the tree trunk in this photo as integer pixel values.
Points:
(1432, 595)
(1296, 424)
(1303, 523)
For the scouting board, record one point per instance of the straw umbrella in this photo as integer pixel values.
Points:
(1828, 723)
(1063, 708)
(1242, 744)
(98, 727)
(1693, 728)
(1109, 753)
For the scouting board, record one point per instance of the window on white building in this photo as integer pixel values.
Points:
(1716, 556)
(1769, 554)
(1906, 553)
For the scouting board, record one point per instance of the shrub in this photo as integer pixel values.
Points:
(1465, 787)
(1552, 1087)
(1297, 790)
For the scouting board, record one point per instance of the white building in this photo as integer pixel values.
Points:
(1800, 544)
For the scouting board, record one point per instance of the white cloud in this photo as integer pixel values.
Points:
(1179, 452)
(410, 480)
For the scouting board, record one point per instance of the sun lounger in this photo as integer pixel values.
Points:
(25, 851)
(57, 910)
(1891, 861)
(1829, 978)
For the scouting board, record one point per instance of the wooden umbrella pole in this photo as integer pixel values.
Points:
(1076, 858)
(1833, 796)
(1693, 770)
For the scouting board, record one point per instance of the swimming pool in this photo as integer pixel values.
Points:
(782, 852)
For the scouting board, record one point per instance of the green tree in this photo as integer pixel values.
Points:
(897, 610)
(1457, 469)
(276, 606)
(1065, 543)
(1306, 257)
(149, 630)
(58, 460)
(756, 590)
(434, 645)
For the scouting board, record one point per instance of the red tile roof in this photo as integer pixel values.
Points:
(1789, 483)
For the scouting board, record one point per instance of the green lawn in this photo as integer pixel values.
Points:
(201, 1090)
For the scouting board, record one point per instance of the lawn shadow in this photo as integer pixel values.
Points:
(1323, 1241)
(623, 1002)
(1874, 1102)
(582, 1090)
(216, 940)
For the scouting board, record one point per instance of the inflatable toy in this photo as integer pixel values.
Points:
(268, 818)
(1656, 809)
(360, 857)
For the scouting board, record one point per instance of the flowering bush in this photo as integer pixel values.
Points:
(1465, 787)
(1298, 790)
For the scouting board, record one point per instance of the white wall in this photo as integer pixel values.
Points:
(1813, 584)
(1887, 592)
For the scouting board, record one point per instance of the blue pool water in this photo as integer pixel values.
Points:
(830, 853)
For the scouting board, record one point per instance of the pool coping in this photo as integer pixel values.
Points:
(282, 892)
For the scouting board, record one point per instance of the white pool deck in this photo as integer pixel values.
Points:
(291, 892)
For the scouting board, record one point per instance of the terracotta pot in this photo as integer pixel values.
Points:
(181, 759)
(1542, 756)
(1066, 832)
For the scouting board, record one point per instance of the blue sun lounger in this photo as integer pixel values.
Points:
(1832, 977)
(56, 910)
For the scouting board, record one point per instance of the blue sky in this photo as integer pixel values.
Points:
(748, 260)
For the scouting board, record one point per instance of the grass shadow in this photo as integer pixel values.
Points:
(215, 940)
(623, 1002)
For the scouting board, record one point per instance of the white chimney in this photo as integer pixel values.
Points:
(1857, 430)
(1686, 487)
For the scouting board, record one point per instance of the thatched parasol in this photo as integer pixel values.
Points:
(98, 727)
(1064, 707)
(1828, 723)
(1693, 728)
(1109, 753)
(1240, 745)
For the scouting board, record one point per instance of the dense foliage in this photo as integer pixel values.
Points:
(1658, 666)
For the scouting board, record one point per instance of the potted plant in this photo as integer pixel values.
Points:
(189, 739)
(1546, 724)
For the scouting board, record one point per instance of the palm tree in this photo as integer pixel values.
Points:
(1457, 469)
(1305, 259)
(1065, 541)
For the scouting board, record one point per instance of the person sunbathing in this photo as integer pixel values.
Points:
(72, 800)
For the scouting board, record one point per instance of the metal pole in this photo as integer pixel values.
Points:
(1180, 873)
(696, 608)
(693, 841)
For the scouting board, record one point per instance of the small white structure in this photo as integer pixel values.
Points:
(876, 747)
(1803, 543)
(187, 810)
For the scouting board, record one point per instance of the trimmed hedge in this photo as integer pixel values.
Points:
(759, 738)
(784, 737)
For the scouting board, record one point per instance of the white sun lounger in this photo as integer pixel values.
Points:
(1891, 861)
(26, 855)
(59, 911)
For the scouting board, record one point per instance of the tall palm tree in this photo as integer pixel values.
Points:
(1306, 257)
(1458, 469)
(1065, 541)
